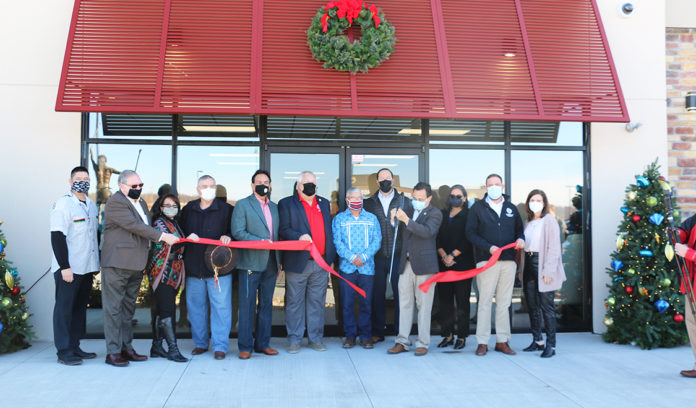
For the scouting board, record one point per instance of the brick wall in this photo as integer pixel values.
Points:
(681, 126)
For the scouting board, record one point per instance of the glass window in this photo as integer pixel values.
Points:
(472, 132)
(546, 133)
(129, 126)
(364, 169)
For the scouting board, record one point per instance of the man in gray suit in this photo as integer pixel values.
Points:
(418, 263)
(255, 218)
(127, 237)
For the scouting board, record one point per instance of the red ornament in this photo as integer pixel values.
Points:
(678, 318)
(635, 218)
(628, 289)
(15, 290)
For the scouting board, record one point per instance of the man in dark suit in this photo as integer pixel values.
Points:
(256, 218)
(418, 263)
(306, 216)
(127, 237)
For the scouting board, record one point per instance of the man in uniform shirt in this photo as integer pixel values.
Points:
(75, 261)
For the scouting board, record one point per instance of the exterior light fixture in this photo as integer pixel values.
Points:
(690, 102)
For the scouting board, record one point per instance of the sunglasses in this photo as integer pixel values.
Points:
(136, 185)
(456, 196)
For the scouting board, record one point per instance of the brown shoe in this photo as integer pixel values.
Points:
(481, 350)
(421, 351)
(243, 355)
(131, 355)
(116, 360)
(268, 351)
(349, 342)
(198, 351)
(376, 339)
(688, 373)
(219, 355)
(504, 348)
(366, 344)
(398, 348)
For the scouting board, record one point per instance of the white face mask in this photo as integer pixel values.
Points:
(170, 212)
(208, 193)
(495, 192)
(536, 206)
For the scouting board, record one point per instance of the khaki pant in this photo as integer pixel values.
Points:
(499, 281)
(690, 327)
(409, 297)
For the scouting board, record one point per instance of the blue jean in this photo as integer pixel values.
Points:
(251, 282)
(364, 325)
(198, 293)
(379, 304)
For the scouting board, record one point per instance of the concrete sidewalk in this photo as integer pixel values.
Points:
(586, 372)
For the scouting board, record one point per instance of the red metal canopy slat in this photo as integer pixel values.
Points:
(473, 59)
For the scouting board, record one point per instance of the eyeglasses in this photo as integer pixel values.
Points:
(135, 186)
(456, 196)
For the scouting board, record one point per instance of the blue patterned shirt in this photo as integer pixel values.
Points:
(355, 237)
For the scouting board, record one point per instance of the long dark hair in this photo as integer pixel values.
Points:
(465, 203)
(544, 211)
(157, 209)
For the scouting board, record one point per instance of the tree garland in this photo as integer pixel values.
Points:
(329, 45)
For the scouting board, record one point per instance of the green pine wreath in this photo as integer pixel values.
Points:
(329, 45)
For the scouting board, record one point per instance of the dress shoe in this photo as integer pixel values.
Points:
(244, 355)
(459, 344)
(131, 355)
(349, 342)
(69, 359)
(83, 354)
(198, 350)
(421, 351)
(398, 348)
(688, 373)
(376, 339)
(318, 346)
(366, 344)
(294, 348)
(116, 360)
(548, 351)
(219, 355)
(267, 351)
(534, 346)
(504, 348)
(446, 342)
(481, 350)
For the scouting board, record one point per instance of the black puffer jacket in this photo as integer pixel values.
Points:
(373, 205)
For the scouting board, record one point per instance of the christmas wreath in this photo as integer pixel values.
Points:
(329, 45)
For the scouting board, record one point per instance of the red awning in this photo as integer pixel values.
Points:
(461, 59)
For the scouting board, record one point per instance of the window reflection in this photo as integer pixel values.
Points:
(364, 168)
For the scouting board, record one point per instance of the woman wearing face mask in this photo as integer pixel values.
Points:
(543, 271)
(456, 254)
(165, 269)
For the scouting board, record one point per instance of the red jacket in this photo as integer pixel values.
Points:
(687, 234)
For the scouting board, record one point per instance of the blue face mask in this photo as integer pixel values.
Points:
(495, 192)
(418, 205)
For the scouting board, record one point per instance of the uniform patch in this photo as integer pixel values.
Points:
(79, 220)
(508, 212)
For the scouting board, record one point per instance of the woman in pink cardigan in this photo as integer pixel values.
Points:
(543, 270)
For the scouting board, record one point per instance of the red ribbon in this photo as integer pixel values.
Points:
(454, 276)
(349, 9)
(280, 246)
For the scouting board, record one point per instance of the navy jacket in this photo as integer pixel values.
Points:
(294, 224)
(484, 229)
(213, 223)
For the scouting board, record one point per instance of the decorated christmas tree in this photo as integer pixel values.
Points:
(644, 306)
(14, 327)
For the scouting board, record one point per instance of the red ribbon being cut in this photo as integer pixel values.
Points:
(279, 246)
(454, 276)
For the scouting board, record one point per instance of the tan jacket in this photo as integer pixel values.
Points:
(550, 255)
(126, 237)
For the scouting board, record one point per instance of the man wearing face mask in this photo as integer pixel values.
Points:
(357, 237)
(418, 263)
(207, 217)
(75, 261)
(306, 216)
(127, 237)
(381, 204)
(494, 222)
(255, 219)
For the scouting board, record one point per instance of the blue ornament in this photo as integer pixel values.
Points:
(645, 252)
(620, 278)
(14, 273)
(657, 218)
(1, 327)
(642, 181)
(2, 247)
(661, 305)
(625, 210)
(616, 265)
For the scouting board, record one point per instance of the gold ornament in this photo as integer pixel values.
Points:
(25, 316)
(0, 222)
(630, 271)
(669, 252)
(631, 195)
(657, 237)
(9, 280)
(619, 243)
(608, 321)
(665, 185)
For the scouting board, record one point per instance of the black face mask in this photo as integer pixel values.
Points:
(134, 193)
(385, 186)
(455, 202)
(309, 189)
(261, 190)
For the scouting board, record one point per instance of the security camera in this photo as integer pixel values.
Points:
(626, 9)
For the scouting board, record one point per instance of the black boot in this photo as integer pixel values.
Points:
(157, 350)
(534, 346)
(549, 351)
(167, 329)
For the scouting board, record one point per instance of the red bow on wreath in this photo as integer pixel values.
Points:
(349, 9)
